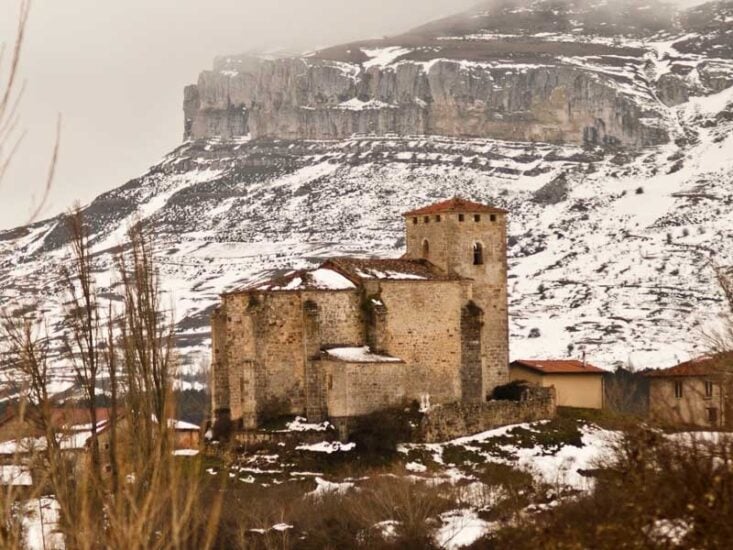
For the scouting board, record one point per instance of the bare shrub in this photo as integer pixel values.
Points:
(132, 492)
(652, 482)
(626, 391)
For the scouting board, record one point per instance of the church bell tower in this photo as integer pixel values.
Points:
(468, 239)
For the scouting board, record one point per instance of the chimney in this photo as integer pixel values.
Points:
(584, 363)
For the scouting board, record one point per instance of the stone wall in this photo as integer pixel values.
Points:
(471, 373)
(453, 420)
(340, 317)
(219, 370)
(423, 328)
(257, 438)
(452, 241)
(355, 389)
(263, 343)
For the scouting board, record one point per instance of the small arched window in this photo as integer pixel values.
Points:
(425, 249)
(478, 254)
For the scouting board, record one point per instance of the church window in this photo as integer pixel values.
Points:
(678, 389)
(477, 217)
(461, 217)
(478, 254)
(425, 249)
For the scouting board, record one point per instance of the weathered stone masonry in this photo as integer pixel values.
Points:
(359, 335)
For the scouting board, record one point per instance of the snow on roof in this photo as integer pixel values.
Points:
(68, 441)
(316, 279)
(15, 475)
(23, 445)
(360, 355)
(389, 269)
(181, 425)
(563, 366)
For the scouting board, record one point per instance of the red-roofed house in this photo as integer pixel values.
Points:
(576, 383)
(13, 424)
(692, 393)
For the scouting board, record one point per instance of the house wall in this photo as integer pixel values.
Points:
(15, 428)
(186, 439)
(219, 377)
(451, 249)
(573, 390)
(355, 389)
(691, 409)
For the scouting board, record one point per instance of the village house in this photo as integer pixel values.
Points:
(693, 393)
(358, 335)
(21, 433)
(577, 383)
(21, 438)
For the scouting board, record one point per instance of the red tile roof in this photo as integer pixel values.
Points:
(61, 417)
(66, 417)
(562, 366)
(456, 204)
(701, 366)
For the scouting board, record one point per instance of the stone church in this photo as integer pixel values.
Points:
(358, 335)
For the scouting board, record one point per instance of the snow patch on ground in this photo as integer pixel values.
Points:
(40, 521)
(327, 447)
(360, 355)
(301, 424)
(381, 57)
(326, 487)
(460, 528)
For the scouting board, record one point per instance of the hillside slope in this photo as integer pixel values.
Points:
(610, 247)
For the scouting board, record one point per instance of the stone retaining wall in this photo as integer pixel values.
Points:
(256, 438)
(453, 420)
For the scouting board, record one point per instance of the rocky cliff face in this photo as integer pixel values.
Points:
(609, 248)
(320, 99)
(561, 76)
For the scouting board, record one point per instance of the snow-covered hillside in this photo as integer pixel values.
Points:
(610, 250)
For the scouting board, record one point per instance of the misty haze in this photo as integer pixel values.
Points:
(366, 274)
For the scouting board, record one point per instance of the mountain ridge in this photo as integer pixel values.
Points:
(610, 246)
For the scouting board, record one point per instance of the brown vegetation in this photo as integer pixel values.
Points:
(657, 492)
(133, 492)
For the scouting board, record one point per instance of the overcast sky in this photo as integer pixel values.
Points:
(115, 71)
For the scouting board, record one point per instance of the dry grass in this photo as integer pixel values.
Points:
(131, 493)
(334, 520)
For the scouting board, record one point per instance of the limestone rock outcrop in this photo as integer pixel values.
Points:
(559, 71)
(302, 98)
